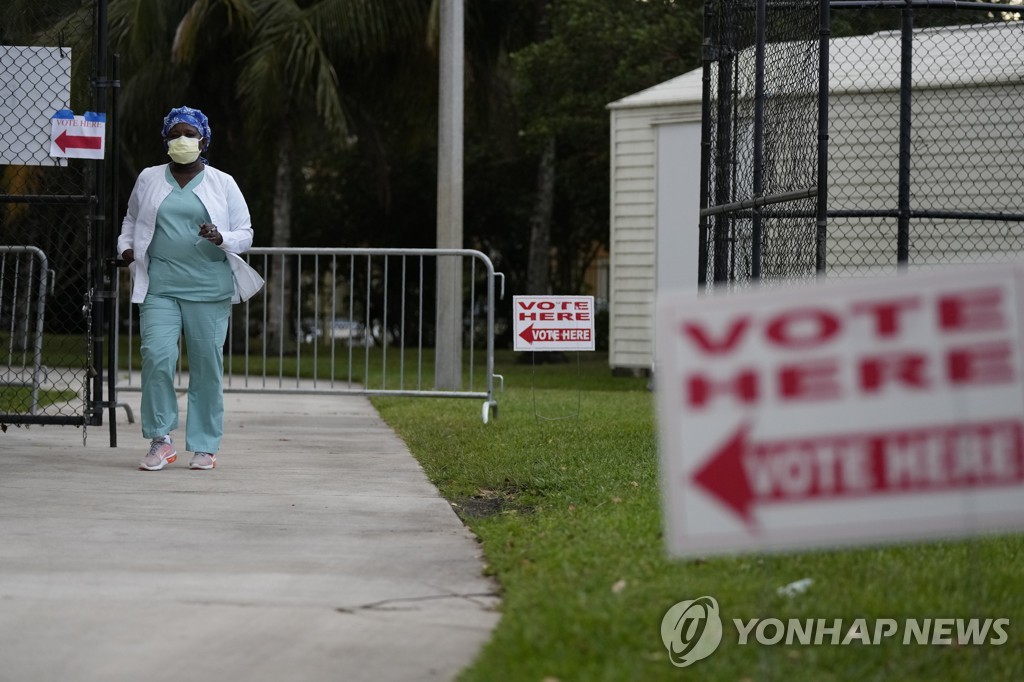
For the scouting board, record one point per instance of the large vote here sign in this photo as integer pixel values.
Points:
(867, 411)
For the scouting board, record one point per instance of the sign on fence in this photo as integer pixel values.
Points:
(77, 137)
(866, 411)
(553, 323)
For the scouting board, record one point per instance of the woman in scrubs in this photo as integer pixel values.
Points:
(184, 221)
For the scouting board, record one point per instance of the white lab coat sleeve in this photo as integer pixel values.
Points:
(126, 239)
(238, 235)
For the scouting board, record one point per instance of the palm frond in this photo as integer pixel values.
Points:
(364, 28)
(240, 16)
(289, 67)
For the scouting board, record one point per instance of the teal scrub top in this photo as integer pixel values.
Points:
(180, 267)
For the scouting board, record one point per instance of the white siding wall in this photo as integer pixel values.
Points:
(631, 303)
(634, 227)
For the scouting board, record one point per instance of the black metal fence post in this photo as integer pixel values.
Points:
(111, 271)
(821, 223)
(760, 42)
(724, 165)
(906, 102)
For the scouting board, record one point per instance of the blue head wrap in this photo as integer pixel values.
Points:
(193, 117)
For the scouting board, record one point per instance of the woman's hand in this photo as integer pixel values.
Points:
(210, 232)
(128, 256)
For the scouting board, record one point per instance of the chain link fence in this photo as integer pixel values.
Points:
(925, 148)
(955, 196)
(47, 208)
(760, 139)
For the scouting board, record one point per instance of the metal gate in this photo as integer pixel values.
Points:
(349, 321)
(53, 217)
(24, 279)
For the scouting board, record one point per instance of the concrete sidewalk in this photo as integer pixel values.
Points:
(317, 550)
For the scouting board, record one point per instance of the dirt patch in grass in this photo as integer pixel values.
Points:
(488, 503)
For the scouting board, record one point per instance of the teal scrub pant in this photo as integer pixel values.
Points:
(205, 325)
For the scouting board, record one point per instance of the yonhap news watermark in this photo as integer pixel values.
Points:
(693, 629)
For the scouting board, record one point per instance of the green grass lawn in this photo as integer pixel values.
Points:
(563, 491)
(18, 399)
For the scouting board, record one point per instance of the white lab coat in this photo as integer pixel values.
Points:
(228, 211)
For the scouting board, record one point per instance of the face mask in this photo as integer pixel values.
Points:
(183, 150)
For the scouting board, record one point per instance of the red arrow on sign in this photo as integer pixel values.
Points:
(64, 141)
(743, 475)
(555, 335)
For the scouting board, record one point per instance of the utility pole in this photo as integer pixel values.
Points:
(448, 339)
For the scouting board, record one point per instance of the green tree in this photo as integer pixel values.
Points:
(865, 20)
(596, 51)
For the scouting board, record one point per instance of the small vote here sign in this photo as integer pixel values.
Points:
(875, 410)
(551, 323)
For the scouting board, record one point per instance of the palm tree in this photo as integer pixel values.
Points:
(277, 60)
(289, 82)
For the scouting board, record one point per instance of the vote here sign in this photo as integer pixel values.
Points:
(858, 412)
(78, 137)
(550, 323)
